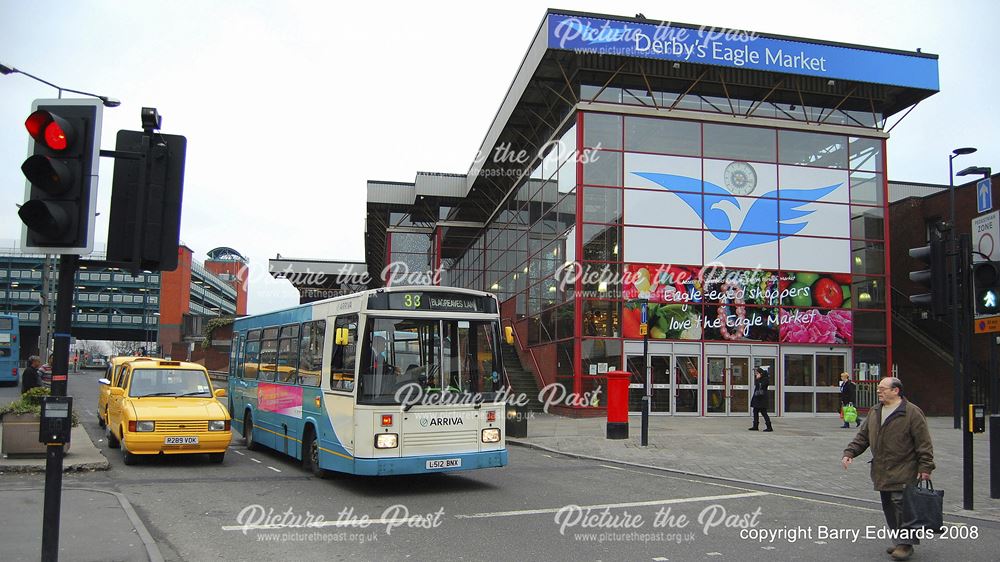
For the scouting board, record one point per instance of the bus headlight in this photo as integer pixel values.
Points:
(386, 441)
(218, 425)
(491, 435)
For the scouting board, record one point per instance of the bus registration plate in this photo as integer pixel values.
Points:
(444, 463)
(180, 441)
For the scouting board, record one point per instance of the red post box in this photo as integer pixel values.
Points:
(618, 404)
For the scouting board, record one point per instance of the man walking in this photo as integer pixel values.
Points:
(896, 430)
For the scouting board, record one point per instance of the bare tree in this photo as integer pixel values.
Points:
(119, 348)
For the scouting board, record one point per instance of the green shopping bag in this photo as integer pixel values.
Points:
(850, 413)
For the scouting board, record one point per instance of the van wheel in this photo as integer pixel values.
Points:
(248, 433)
(127, 457)
(112, 440)
(216, 458)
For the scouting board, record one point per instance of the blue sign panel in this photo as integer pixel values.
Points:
(984, 195)
(740, 49)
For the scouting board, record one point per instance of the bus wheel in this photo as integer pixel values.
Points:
(248, 433)
(112, 440)
(310, 455)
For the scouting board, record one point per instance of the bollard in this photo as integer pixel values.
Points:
(618, 404)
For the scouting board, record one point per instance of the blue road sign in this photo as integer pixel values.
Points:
(984, 195)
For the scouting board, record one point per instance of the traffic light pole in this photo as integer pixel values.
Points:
(60, 370)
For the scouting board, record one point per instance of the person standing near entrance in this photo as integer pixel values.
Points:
(760, 401)
(848, 395)
(896, 430)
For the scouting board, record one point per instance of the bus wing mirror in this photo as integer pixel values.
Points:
(508, 334)
(340, 336)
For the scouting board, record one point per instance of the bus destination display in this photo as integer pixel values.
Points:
(434, 302)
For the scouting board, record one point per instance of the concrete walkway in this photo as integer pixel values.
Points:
(801, 453)
(94, 525)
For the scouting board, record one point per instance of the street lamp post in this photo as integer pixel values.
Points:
(967, 473)
(956, 318)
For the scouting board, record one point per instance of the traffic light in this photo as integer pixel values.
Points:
(61, 172)
(146, 196)
(934, 278)
(986, 287)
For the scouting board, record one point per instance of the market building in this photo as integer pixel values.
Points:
(735, 182)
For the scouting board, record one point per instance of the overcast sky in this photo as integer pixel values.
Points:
(289, 107)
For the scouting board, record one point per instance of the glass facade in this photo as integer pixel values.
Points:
(766, 241)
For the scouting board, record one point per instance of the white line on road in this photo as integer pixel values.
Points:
(614, 505)
(274, 469)
(775, 494)
(319, 524)
(614, 468)
(239, 453)
(255, 460)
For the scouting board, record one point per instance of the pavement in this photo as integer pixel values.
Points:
(84, 511)
(802, 454)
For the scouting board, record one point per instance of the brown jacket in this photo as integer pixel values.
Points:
(900, 448)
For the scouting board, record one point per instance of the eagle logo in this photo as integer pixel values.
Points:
(767, 214)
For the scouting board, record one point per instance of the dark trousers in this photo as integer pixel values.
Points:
(756, 417)
(892, 506)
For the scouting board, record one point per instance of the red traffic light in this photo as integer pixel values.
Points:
(49, 129)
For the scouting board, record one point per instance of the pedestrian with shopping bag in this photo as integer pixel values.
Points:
(902, 454)
(848, 401)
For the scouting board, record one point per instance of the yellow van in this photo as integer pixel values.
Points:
(167, 408)
(113, 377)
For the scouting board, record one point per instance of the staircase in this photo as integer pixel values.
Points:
(522, 381)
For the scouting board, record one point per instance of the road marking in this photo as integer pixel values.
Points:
(316, 524)
(614, 468)
(713, 554)
(255, 460)
(776, 494)
(614, 505)
(661, 559)
(274, 469)
(238, 453)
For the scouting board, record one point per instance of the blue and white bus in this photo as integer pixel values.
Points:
(10, 348)
(402, 380)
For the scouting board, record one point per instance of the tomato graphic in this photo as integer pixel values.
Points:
(842, 278)
(827, 293)
(631, 318)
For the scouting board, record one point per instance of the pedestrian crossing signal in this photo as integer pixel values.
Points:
(986, 287)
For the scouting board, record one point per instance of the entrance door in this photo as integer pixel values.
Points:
(661, 390)
(728, 385)
(812, 380)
